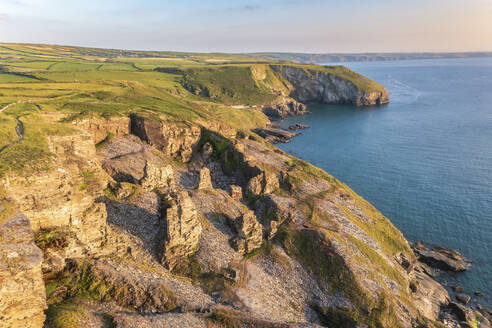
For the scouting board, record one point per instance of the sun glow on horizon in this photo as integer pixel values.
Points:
(251, 26)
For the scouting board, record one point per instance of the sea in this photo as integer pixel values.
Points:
(424, 160)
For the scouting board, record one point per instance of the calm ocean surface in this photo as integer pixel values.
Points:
(424, 160)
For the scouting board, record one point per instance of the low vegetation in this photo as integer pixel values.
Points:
(66, 315)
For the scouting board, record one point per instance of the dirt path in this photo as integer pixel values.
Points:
(19, 129)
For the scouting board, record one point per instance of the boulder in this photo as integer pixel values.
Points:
(272, 231)
(205, 180)
(463, 298)
(441, 258)
(457, 289)
(127, 168)
(461, 312)
(298, 126)
(182, 229)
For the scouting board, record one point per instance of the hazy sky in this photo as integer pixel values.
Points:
(247, 26)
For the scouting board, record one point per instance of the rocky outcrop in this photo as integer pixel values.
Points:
(65, 197)
(182, 229)
(250, 233)
(441, 258)
(321, 86)
(429, 295)
(205, 180)
(298, 126)
(173, 139)
(22, 292)
(52, 198)
(284, 107)
(275, 135)
(264, 183)
(101, 128)
(127, 159)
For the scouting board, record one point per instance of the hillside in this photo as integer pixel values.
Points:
(363, 57)
(134, 193)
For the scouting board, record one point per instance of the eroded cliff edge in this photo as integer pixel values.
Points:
(332, 85)
(281, 90)
(207, 227)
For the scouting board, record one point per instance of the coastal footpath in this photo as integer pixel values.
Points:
(142, 197)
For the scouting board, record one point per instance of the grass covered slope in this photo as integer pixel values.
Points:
(46, 87)
(319, 252)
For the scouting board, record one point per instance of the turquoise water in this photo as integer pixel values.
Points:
(424, 160)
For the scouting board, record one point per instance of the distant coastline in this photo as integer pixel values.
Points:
(364, 57)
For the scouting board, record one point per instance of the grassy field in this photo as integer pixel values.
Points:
(40, 82)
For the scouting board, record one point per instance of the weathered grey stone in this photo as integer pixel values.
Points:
(249, 231)
(275, 135)
(441, 258)
(171, 138)
(182, 228)
(323, 87)
(462, 312)
(429, 296)
(264, 183)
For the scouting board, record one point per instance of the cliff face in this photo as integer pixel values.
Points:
(22, 291)
(281, 90)
(241, 232)
(321, 86)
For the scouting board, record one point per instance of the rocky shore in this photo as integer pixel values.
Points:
(436, 259)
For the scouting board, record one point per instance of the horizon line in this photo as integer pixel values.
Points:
(260, 52)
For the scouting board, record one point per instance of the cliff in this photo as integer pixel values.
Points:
(282, 90)
(142, 198)
(332, 85)
(242, 231)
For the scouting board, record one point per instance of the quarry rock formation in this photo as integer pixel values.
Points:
(182, 229)
(249, 233)
(171, 138)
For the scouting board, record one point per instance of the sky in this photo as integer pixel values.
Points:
(312, 26)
